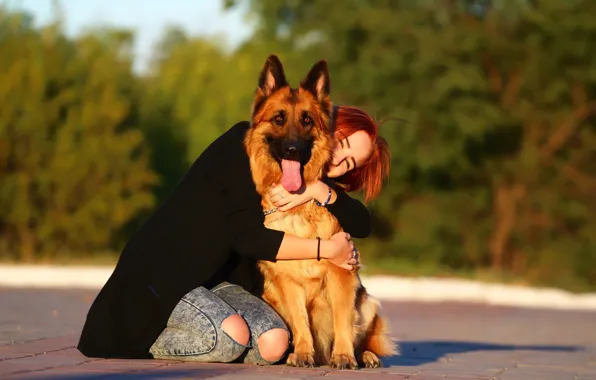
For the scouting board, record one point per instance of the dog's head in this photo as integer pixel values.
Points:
(291, 136)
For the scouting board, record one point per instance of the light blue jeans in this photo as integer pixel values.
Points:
(194, 332)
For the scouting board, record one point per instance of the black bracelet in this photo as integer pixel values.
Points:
(318, 248)
(327, 201)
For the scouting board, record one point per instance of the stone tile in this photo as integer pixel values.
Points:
(66, 341)
(586, 376)
(62, 373)
(578, 370)
(438, 376)
(12, 351)
(403, 365)
(189, 372)
(118, 366)
(212, 366)
(552, 359)
(37, 346)
(366, 375)
(474, 369)
(9, 352)
(42, 361)
(533, 373)
(158, 372)
(505, 358)
(280, 372)
(209, 370)
(280, 368)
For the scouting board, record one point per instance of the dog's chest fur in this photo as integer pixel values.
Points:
(309, 221)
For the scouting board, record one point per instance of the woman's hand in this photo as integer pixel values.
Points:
(284, 200)
(344, 254)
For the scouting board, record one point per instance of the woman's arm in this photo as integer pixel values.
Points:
(351, 214)
(249, 237)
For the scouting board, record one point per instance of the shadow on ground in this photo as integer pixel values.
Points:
(413, 353)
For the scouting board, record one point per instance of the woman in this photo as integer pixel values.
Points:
(186, 283)
(361, 161)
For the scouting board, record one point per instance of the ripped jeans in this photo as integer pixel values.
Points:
(194, 332)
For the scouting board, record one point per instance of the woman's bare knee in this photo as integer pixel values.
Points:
(273, 344)
(236, 328)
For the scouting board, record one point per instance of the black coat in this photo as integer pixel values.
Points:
(210, 229)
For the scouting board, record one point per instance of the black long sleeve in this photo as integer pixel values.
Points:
(241, 203)
(352, 215)
(249, 236)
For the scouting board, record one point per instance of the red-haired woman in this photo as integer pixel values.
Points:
(185, 275)
(361, 162)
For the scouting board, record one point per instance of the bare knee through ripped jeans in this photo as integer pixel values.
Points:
(194, 331)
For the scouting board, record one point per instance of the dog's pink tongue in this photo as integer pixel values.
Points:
(291, 179)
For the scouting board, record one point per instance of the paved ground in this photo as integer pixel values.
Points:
(39, 329)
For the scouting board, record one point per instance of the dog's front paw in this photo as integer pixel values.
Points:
(301, 360)
(370, 360)
(344, 362)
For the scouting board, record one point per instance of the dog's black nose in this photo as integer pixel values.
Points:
(291, 153)
(291, 149)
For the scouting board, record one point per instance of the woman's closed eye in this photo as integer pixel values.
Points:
(350, 162)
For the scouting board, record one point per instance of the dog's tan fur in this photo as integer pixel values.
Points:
(332, 318)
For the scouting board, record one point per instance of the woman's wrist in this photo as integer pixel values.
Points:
(321, 193)
(327, 249)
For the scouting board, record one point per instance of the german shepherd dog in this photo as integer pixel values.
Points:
(332, 318)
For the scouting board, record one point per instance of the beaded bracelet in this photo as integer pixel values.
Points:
(327, 201)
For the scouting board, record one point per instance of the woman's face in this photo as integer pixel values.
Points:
(350, 153)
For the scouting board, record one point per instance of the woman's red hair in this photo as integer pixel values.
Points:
(369, 177)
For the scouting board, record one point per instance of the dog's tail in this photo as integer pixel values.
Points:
(378, 340)
(377, 336)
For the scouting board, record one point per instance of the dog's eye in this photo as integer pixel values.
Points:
(279, 120)
(306, 121)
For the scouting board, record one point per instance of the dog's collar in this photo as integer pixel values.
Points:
(270, 211)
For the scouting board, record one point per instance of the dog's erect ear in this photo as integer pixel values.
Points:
(317, 80)
(272, 76)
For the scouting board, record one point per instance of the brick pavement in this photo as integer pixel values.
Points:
(39, 330)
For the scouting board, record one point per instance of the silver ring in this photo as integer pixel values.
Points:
(354, 253)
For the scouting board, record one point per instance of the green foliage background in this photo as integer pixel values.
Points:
(493, 171)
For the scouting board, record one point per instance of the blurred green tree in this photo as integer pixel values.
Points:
(495, 167)
(493, 170)
(73, 166)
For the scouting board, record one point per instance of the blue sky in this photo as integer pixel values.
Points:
(147, 17)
